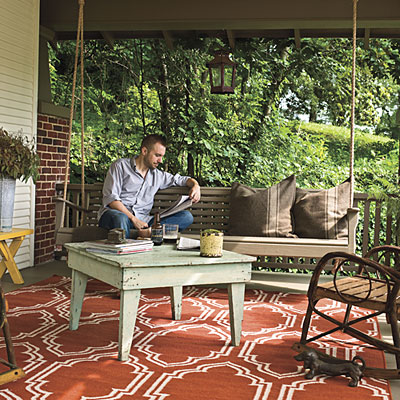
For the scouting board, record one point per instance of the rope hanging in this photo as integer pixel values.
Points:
(79, 43)
(353, 103)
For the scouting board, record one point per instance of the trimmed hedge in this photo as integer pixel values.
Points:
(337, 139)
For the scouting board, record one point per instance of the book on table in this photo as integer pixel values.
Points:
(104, 244)
(130, 246)
(183, 202)
(118, 252)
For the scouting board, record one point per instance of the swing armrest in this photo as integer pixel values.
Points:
(352, 220)
(70, 204)
(60, 202)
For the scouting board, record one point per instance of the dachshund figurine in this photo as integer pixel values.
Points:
(352, 368)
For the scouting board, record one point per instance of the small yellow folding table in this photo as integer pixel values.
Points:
(8, 252)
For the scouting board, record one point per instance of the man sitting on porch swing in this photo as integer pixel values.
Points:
(130, 187)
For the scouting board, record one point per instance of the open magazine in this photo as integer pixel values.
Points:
(183, 202)
(185, 243)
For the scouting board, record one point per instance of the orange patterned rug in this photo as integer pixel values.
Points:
(187, 359)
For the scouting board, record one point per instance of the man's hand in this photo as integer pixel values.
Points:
(138, 224)
(194, 192)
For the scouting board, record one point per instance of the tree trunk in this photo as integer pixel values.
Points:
(272, 90)
(165, 99)
(190, 160)
(203, 81)
(313, 113)
(163, 90)
(270, 95)
(243, 86)
(141, 90)
(398, 167)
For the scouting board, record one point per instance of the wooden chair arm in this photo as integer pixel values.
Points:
(384, 250)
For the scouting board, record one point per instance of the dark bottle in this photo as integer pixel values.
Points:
(157, 230)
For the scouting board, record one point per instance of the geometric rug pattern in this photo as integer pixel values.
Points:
(177, 360)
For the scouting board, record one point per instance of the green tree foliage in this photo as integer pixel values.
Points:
(140, 87)
(319, 85)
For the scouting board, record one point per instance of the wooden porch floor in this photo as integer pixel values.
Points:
(284, 282)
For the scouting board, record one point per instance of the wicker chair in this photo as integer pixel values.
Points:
(371, 282)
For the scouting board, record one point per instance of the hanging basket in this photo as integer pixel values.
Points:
(7, 195)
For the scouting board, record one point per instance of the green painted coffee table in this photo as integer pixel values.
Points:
(162, 267)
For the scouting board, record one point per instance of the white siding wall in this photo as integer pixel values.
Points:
(19, 41)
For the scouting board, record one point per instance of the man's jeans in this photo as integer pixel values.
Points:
(117, 219)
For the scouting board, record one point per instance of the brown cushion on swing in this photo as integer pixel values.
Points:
(322, 214)
(262, 212)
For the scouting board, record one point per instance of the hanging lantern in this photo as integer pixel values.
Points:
(222, 73)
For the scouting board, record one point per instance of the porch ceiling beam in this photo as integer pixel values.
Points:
(49, 35)
(238, 34)
(116, 26)
(297, 38)
(367, 33)
(169, 41)
(108, 37)
(254, 18)
(231, 38)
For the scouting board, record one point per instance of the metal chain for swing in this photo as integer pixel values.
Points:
(79, 44)
(353, 102)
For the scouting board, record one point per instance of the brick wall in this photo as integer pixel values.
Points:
(52, 142)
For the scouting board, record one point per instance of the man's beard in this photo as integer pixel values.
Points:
(148, 163)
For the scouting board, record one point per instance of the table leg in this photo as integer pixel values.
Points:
(236, 304)
(5, 255)
(79, 281)
(129, 301)
(8, 262)
(176, 301)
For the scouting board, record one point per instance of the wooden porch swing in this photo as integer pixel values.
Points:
(80, 223)
(371, 282)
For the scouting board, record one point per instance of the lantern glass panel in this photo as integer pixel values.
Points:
(228, 75)
(217, 76)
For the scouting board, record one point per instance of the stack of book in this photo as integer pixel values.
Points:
(129, 247)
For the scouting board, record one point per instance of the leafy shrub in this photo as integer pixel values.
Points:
(18, 158)
(337, 140)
